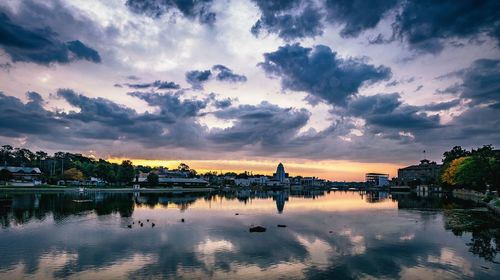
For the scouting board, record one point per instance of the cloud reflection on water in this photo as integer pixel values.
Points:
(317, 242)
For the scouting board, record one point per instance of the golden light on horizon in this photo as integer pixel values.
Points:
(337, 170)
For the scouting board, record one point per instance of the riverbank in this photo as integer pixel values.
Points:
(477, 197)
(117, 190)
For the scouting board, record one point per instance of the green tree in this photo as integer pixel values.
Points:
(6, 155)
(183, 167)
(454, 153)
(153, 179)
(470, 173)
(126, 172)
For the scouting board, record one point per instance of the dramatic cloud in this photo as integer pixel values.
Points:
(41, 46)
(17, 118)
(441, 105)
(222, 104)
(387, 111)
(197, 78)
(290, 19)
(427, 25)
(358, 15)
(265, 125)
(480, 82)
(170, 106)
(156, 84)
(319, 72)
(193, 9)
(226, 74)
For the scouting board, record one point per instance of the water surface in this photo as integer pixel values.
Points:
(341, 235)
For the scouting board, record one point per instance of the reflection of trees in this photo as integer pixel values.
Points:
(22, 208)
(484, 227)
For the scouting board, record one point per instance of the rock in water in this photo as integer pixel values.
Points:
(257, 229)
(281, 225)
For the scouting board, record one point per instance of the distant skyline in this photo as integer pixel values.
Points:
(334, 88)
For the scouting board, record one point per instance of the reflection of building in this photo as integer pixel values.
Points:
(425, 173)
(176, 182)
(280, 201)
(377, 179)
(376, 196)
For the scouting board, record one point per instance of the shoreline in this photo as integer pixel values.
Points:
(117, 190)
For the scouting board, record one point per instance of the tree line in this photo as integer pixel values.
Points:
(68, 166)
(477, 169)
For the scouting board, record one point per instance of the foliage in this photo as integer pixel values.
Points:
(153, 179)
(448, 176)
(74, 174)
(477, 169)
(126, 172)
(454, 153)
(5, 175)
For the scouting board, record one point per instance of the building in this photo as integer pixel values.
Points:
(173, 181)
(377, 179)
(312, 182)
(22, 176)
(426, 172)
(280, 174)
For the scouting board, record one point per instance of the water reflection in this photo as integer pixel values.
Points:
(341, 234)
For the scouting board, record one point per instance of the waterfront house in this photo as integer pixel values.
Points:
(23, 176)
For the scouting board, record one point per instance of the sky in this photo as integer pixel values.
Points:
(330, 88)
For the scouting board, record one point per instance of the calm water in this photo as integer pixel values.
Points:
(339, 235)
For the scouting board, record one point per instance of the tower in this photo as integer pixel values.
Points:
(280, 173)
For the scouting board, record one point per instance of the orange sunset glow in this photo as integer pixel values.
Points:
(334, 170)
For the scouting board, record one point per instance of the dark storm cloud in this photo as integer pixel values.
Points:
(18, 118)
(441, 105)
(41, 46)
(96, 109)
(290, 19)
(197, 78)
(193, 9)
(224, 103)
(387, 111)
(426, 24)
(481, 81)
(358, 15)
(265, 124)
(296, 19)
(156, 84)
(319, 72)
(226, 74)
(170, 104)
